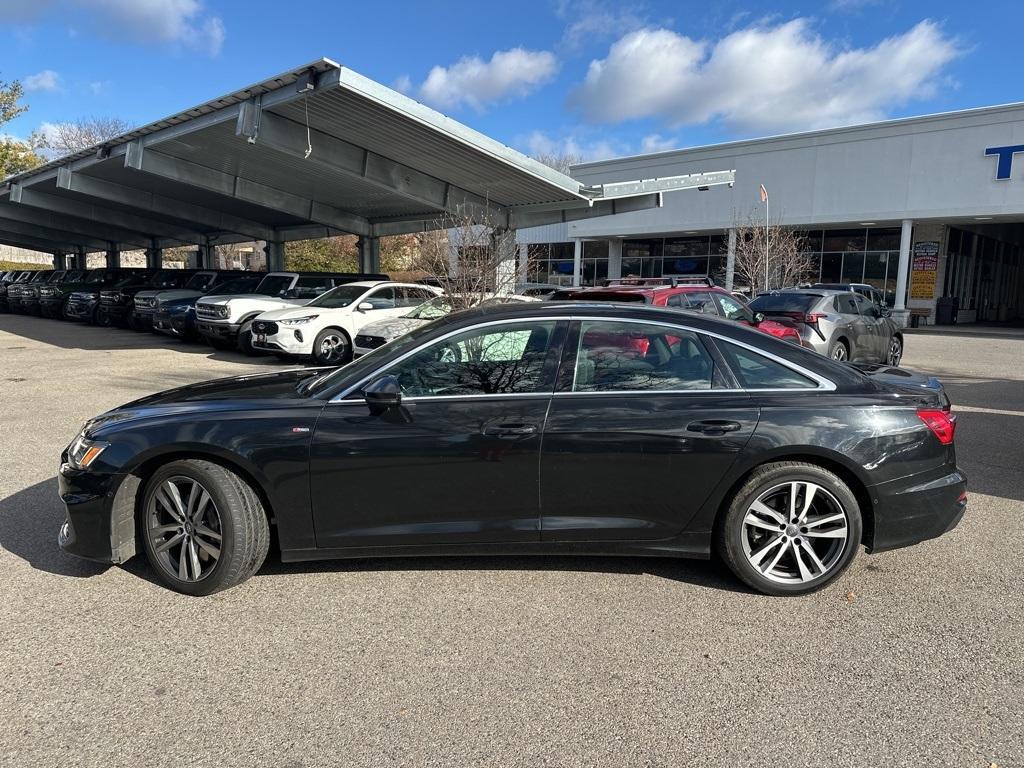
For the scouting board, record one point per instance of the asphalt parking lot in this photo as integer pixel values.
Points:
(913, 658)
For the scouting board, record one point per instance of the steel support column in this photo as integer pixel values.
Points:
(577, 262)
(615, 258)
(79, 260)
(154, 257)
(113, 256)
(59, 261)
(369, 254)
(524, 262)
(899, 311)
(274, 250)
(730, 261)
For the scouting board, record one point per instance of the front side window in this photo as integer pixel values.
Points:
(865, 307)
(311, 287)
(273, 285)
(755, 371)
(733, 309)
(382, 298)
(627, 357)
(493, 360)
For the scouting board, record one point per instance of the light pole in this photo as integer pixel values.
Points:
(764, 199)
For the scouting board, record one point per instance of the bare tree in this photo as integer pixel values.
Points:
(469, 257)
(65, 138)
(560, 162)
(788, 263)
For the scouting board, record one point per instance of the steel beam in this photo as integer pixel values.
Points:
(193, 174)
(598, 208)
(701, 180)
(151, 202)
(146, 227)
(66, 239)
(333, 154)
(32, 244)
(82, 230)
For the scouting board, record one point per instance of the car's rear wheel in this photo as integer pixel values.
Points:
(840, 350)
(895, 353)
(790, 529)
(203, 527)
(332, 347)
(245, 339)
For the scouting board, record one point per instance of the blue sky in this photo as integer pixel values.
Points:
(588, 77)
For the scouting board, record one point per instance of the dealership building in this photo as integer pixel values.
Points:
(928, 209)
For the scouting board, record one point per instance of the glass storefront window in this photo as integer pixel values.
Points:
(595, 249)
(676, 247)
(693, 265)
(831, 267)
(884, 239)
(843, 240)
(853, 268)
(811, 241)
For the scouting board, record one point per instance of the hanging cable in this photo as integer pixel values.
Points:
(309, 140)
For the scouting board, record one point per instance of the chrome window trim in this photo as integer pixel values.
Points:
(824, 385)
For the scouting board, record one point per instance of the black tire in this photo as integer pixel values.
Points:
(102, 319)
(730, 538)
(245, 340)
(337, 354)
(244, 528)
(894, 354)
(218, 343)
(840, 350)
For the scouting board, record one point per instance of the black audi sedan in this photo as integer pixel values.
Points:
(571, 427)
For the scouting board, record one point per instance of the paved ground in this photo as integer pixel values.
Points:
(511, 662)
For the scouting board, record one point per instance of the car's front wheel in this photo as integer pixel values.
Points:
(790, 529)
(332, 347)
(203, 527)
(895, 352)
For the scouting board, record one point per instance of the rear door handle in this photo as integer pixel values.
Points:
(713, 427)
(510, 430)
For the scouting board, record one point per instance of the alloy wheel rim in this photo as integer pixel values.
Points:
(795, 532)
(184, 529)
(332, 348)
(839, 353)
(895, 352)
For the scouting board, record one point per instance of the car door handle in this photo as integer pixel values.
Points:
(509, 430)
(713, 426)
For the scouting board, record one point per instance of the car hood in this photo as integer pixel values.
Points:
(254, 298)
(393, 328)
(905, 381)
(168, 294)
(294, 310)
(265, 390)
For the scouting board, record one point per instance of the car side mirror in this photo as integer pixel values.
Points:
(365, 306)
(758, 318)
(383, 394)
(885, 312)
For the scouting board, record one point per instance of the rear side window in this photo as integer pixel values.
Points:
(628, 357)
(846, 305)
(695, 301)
(755, 371)
(311, 287)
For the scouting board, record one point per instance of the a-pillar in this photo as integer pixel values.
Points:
(154, 257)
(274, 250)
(577, 261)
(113, 256)
(615, 258)
(369, 255)
(899, 310)
(730, 261)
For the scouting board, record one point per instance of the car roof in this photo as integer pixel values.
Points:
(804, 292)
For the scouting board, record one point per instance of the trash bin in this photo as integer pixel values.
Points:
(915, 321)
(946, 309)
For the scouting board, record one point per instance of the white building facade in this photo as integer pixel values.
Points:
(928, 209)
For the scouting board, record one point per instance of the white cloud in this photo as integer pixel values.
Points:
(402, 84)
(851, 6)
(477, 83)
(538, 143)
(47, 80)
(593, 21)
(180, 22)
(99, 87)
(762, 78)
(655, 142)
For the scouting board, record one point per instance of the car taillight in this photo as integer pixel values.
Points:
(810, 318)
(942, 423)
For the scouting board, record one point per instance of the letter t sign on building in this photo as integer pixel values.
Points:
(1005, 159)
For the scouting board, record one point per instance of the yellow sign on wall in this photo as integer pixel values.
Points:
(924, 270)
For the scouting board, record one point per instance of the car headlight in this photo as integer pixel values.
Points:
(224, 312)
(83, 452)
(47, 291)
(298, 320)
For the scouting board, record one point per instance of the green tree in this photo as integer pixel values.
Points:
(15, 156)
(330, 254)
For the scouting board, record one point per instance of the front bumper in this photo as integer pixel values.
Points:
(80, 310)
(118, 313)
(50, 307)
(100, 522)
(284, 342)
(226, 331)
(914, 509)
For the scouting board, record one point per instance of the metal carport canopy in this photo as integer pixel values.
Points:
(316, 151)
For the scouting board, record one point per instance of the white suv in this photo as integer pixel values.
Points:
(324, 327)
(227, 320)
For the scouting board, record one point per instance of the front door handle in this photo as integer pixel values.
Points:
(509, 430)
(713, 427)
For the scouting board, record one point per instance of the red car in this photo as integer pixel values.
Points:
(694, 295)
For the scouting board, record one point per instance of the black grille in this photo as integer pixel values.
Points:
(109, 297)
(265, 327)
(370, 342)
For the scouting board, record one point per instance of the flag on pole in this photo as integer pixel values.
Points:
(764, 194)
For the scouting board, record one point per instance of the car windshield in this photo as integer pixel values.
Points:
(236, 285)
(274, 285)
(95, 275)
(199, 282)
(165, 278)
(430, 310)
(342, 296)
(784, 302)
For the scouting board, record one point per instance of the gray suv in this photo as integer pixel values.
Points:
(840, 324)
